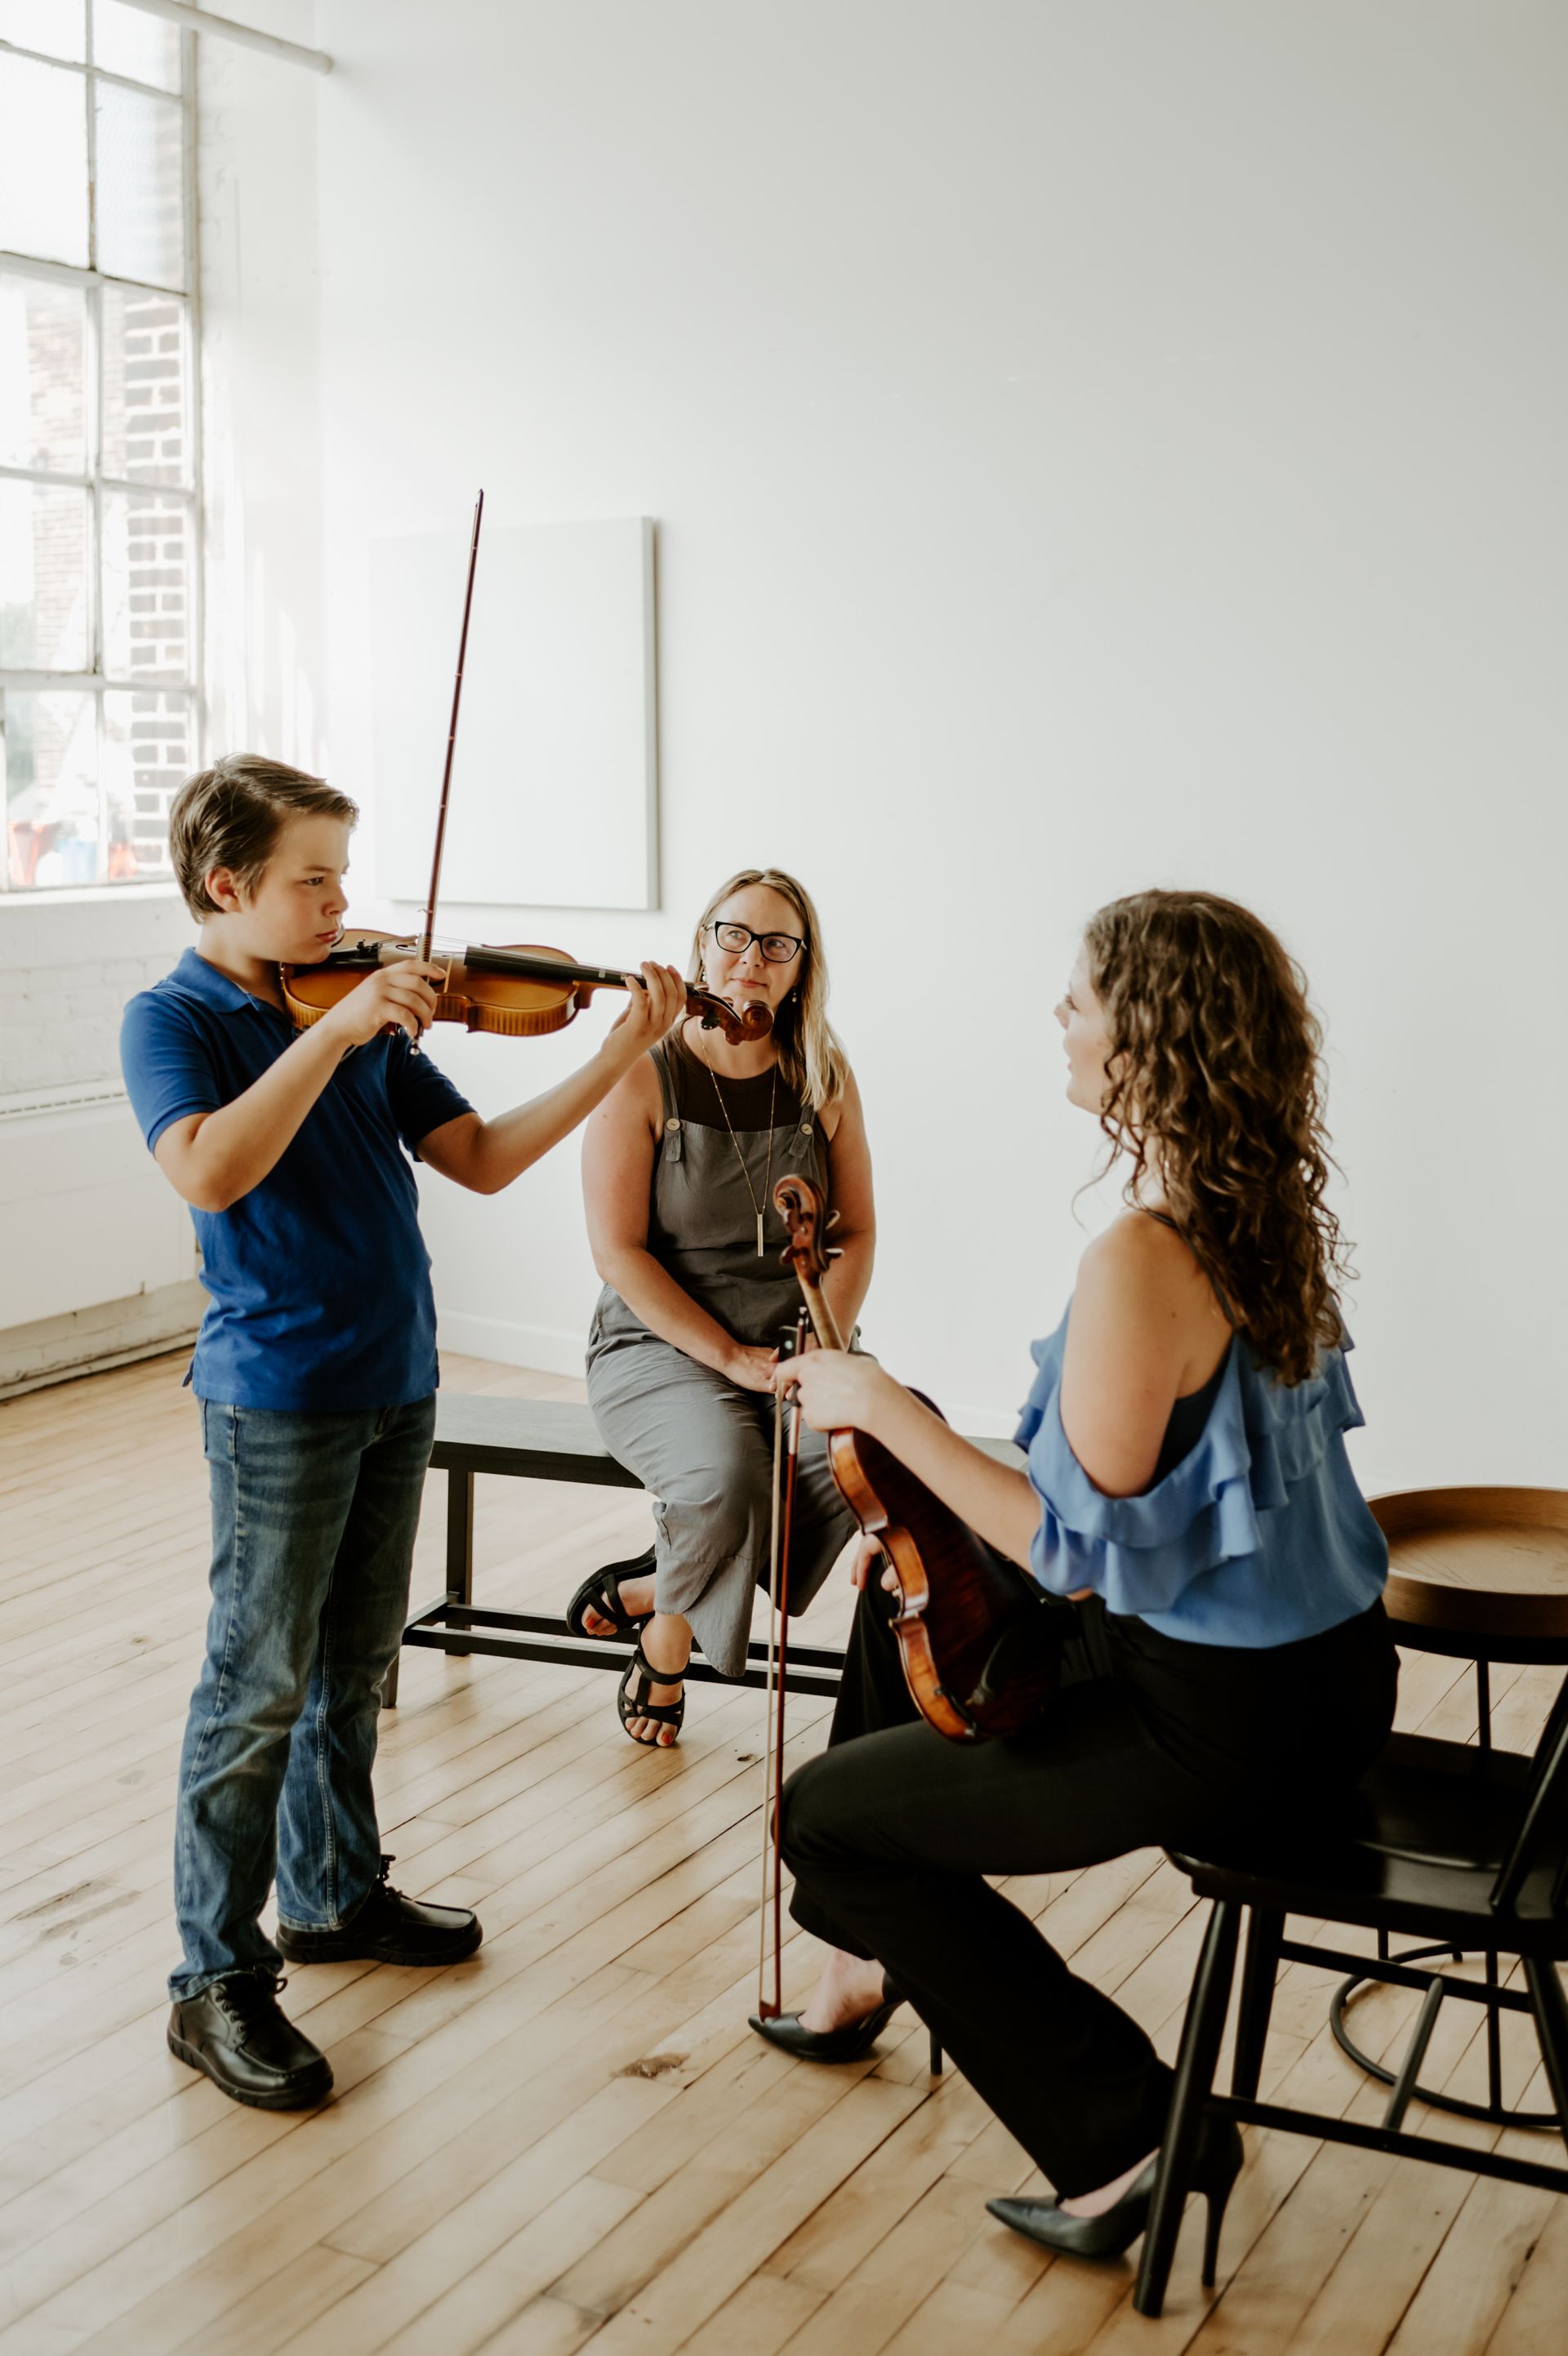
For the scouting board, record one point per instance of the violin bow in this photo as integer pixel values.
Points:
(786, 1459)
(427, 930)
(800, 1205)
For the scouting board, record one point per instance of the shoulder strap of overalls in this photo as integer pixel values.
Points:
(669, 1122)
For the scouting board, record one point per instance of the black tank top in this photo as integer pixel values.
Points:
(765, 1101)
(1188, 1419)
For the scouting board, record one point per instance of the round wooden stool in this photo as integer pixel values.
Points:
(1480, 1574)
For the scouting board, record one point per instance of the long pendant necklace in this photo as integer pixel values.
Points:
(767, 1182)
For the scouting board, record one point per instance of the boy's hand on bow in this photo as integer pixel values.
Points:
(400, 995)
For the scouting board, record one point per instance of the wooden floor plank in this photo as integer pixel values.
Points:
(574, 2140)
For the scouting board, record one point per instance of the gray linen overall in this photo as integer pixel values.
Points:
(702, 1447)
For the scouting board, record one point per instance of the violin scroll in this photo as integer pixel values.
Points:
(800, 1205)
(742, 1030)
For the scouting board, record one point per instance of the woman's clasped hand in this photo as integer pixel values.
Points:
(752, 1367)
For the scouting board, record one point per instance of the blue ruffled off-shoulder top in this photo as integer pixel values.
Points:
(1258, 1537)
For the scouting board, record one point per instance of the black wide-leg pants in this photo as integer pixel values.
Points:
(892, 1831)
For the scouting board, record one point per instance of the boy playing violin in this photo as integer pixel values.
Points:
(315, 1372)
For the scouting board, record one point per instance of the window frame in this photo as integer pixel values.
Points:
(97, 680)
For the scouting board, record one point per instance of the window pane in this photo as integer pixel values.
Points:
(147, 387)
(43, 385)
(48, 765)
(141, 196)
(148, 753)
(43, 160)
(146, 586)
(45, 609)
(59, 28)
(124, 41)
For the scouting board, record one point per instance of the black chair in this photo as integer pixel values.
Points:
(1479, 1575)
(1459, 1845)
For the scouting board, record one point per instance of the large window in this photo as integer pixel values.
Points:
(99, 519)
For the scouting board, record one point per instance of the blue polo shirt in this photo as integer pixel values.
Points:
(319, 1279)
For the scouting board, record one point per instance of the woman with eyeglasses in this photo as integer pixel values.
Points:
(678, 1166)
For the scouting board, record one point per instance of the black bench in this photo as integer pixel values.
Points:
(554, 1439)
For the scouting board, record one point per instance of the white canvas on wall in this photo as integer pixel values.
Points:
(554, 787)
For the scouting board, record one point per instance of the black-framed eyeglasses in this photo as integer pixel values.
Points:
(736, 939)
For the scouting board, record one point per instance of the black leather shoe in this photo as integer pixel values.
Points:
(236, 2032)
(387, 1927)
(1214, 2171)
(846, 2044)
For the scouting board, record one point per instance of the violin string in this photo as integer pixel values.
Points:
(792, 1459)
(768, 1709)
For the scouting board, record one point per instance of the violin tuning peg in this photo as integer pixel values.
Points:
(832, 1219)
(836, 1251)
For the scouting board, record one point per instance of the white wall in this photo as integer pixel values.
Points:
(261, 446)
(1092, 447)
(97, 1258)
(261, 393)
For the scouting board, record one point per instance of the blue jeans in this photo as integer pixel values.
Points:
(313, 1526)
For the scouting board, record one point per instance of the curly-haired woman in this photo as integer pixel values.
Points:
(678, 1172)
(1188, 1497)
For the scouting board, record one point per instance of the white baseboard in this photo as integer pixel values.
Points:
(89, 1340)
(546, 1348)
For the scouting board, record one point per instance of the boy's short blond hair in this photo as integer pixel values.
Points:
(232, 816)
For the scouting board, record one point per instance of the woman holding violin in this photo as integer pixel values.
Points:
(679, 1165)
(1188, 1498)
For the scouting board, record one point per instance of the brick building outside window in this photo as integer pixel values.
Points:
(100, 635)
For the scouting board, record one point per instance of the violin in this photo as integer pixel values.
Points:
(977, 1654)
(521, 993)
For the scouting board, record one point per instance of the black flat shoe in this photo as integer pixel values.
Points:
(1214, 2173)
(600, 1592)
(235, 2032)
(387, 1927)
(846, 2044)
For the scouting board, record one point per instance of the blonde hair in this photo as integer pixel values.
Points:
(811, 1053)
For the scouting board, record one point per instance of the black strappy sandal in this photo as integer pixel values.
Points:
(640, 1670)
(600, 1592)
